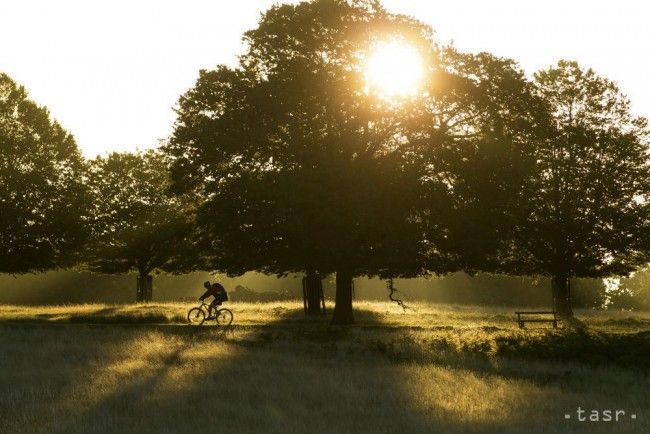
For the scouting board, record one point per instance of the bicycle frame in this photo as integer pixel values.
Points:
(209, 310)
(205, 307)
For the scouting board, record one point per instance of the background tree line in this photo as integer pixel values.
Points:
(287, 164)
(484, 289)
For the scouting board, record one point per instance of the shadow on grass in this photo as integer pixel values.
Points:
(241, 379)
(118, 314)
(299, 375)
(590, 348)
(631, 350)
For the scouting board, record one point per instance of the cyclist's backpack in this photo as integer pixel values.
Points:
(224, 296)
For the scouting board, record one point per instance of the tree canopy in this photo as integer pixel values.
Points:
(43, 201)
(299, 165)
(473, 135)
(586, 209)
(136, 224)
(293, 161)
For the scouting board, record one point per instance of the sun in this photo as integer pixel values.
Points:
(394, 69)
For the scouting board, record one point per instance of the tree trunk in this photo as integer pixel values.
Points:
(312, 287)
(144, 287)
(343, 307)
(562, 296)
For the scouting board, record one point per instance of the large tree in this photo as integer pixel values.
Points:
(136, 224)
(301, 168)
(42, 197)
(586, 209)
(473, 135)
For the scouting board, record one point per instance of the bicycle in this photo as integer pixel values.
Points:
(204, 312)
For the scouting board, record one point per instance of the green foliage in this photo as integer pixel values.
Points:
(586, 210)
(303, 169)
(42, 199)
(633, 293)
(136, 225)
(300, 167)
(474, 134)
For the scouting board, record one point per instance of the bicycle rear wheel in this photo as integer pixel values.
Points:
(196, 316)
(224, 317)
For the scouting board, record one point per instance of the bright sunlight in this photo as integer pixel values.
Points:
(394, 69)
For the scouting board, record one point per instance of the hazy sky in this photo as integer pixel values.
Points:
(111, 71)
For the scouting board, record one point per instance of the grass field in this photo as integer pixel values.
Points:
(140, 369)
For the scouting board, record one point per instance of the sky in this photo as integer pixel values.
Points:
(111, 71)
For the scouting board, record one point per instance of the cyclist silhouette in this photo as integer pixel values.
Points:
(215, 290)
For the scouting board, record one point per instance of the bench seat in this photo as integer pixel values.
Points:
(522, 320)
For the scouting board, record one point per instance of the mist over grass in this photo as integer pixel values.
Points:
(63, 287)
(138, 369)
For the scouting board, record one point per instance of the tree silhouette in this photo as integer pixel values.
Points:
(42, 199)
(300, 169)
(585, 213)
(475, 134)
(136, 224)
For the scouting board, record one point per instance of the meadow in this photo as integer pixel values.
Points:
(436, 368)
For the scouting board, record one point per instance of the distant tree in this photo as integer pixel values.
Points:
(632, 292)
(43, 201)
(300, 168)
(136, 224)
(586, 208)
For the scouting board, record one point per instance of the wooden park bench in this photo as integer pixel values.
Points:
(522, 318)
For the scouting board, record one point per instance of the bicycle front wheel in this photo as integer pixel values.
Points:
(224, 317)
(196, 316)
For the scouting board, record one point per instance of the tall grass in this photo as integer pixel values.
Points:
(79, 369)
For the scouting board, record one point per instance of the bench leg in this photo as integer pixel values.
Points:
(521, 324)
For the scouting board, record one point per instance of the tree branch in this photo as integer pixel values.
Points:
(392, 290)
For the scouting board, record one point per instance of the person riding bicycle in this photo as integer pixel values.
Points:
(217, 291)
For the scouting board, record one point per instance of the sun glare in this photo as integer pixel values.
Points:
(394, 69)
